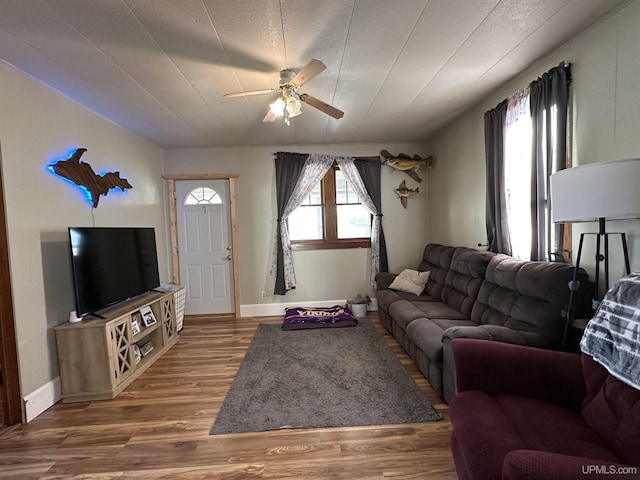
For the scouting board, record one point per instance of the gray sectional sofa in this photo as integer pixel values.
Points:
(476, 294)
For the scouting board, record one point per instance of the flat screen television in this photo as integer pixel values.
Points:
(111, 264)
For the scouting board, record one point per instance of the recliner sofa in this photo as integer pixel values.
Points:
(476, 294)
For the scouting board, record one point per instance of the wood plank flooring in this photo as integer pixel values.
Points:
(158, 428)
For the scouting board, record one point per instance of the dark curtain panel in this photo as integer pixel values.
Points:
(370, 172)
(289, 166)
(549, 99)
(496, 203)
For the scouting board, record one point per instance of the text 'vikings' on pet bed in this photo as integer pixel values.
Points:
(296, 318)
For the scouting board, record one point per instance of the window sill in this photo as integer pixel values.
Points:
(322, 245)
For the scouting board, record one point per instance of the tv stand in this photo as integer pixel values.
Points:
(100, 357)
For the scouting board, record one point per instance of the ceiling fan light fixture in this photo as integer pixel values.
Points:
(277, 107)
(293, 106)
(288, 105)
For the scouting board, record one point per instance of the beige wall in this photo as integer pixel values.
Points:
(320, 274)
(38, 126)
(606, 109)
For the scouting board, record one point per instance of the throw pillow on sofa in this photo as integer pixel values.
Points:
(410, 281)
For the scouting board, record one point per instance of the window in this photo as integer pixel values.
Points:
(517, 180)
(202, 196)
(521, 171)
(517, 172)
(330, 217)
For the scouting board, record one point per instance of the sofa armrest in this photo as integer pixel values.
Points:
(503, 368)
(532, 464)
(481, 332)
(497, 333)
(384, 279)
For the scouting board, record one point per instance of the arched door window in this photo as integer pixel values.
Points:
(202, 196)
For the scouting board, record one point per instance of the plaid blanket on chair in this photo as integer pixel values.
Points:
(612, 337)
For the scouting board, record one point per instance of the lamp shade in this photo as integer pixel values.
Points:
(277, 107)
(609, 190)
(293, 106)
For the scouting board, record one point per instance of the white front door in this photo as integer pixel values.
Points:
(204, 245)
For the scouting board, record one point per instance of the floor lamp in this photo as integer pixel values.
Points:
(596, 192)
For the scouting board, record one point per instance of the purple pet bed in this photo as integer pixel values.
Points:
(296, 318)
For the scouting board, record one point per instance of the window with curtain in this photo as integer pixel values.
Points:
(525, 143)
(331, 216)
(355, 182)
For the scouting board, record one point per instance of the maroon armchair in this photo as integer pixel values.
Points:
(527, 413)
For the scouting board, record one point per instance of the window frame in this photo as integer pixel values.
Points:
(330, 240)
(214, 197)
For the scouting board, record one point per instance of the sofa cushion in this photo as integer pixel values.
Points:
(526, 296)
(612, 409)
(435, 310)
(571, 434)
(410, 281)
(437, 260)
(464, 278)
(488, 427)
(426, 335)
(387, 297)
(404, 312)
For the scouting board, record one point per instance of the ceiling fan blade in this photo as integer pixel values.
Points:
(309, 71)
(320, 105)
(250, 92)
(270, 117)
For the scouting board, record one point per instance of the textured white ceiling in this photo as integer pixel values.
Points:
(399, 69)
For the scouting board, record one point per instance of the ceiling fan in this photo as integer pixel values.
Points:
(288, 103)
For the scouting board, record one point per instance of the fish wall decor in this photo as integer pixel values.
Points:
(407, 164)
(405, 192)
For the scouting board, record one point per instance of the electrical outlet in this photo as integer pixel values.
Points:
(264, 295)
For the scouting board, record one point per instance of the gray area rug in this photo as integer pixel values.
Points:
(330, 377)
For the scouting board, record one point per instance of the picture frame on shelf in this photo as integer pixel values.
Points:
(136, 320)
(146, 349)
(148, 318)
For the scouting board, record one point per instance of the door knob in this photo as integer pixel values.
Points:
(229, 257)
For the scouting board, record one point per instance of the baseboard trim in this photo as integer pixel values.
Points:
(277, 309)
(42, 399)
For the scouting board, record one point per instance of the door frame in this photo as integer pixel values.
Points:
(10, 396)
(173, 227)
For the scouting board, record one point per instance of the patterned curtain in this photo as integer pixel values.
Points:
(314, 168)
(517, 106)
(351, 173)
